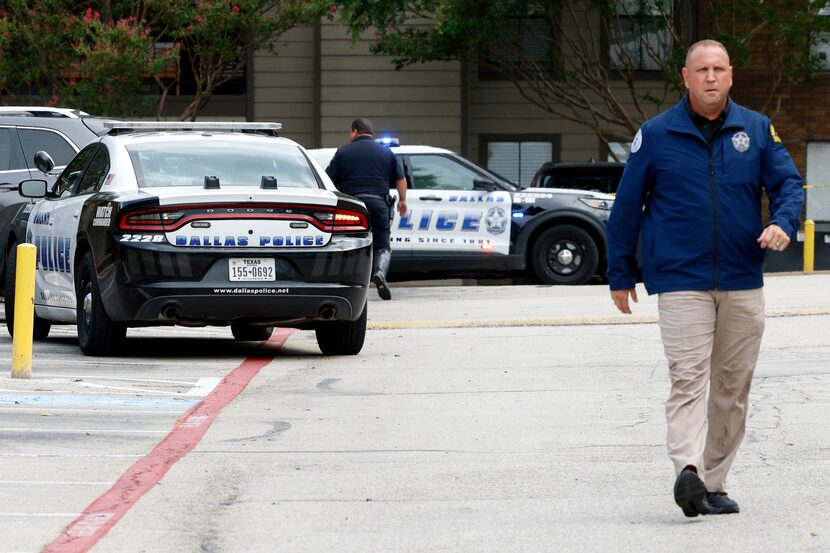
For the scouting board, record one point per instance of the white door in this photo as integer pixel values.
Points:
(449, 209)
(61, 215)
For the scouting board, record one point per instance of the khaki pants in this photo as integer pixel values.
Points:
(712, 337)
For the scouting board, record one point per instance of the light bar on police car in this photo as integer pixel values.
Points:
(388, 141)
(191, 126)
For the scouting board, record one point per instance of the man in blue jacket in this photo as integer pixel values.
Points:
(365, 169)
(692, 186)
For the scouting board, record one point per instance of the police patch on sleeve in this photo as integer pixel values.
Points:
(773, 134)
(638, 141)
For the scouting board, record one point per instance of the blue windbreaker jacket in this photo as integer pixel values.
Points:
(699, 207)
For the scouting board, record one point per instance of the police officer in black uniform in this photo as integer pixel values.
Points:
(365, 169)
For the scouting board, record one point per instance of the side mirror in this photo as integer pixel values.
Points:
(482, 184)
(33, 188)
(44, 162)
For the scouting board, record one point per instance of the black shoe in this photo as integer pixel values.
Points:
(383, 288)
(690, 494)
(721, 504)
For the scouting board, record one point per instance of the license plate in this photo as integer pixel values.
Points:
(252, 269)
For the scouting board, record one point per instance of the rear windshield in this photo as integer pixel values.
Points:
(234, 163)
(597, 179)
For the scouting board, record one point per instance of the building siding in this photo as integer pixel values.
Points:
(419, 104)
(284, 85)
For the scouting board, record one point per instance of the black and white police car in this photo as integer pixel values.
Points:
(468, 221)
(194, 224)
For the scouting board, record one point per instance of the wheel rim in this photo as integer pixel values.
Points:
(87, 306)
(565, 257)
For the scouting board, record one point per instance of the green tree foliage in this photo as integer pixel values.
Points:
(111, 63)
(58, 52)
(25, 54)
(785, 30)
(606, 64)
(103, 56)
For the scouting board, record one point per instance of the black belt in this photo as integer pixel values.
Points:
(371, 196)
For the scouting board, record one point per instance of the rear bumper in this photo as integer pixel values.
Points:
(253, 305)
(146, 287)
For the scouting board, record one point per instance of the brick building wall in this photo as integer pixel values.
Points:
(800, 112)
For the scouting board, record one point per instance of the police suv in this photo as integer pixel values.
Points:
(466, 220)
(194, 224)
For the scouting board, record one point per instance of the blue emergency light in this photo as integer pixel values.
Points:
(388, 141)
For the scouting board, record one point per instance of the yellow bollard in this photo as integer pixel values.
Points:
(809, 245)
(24, 311)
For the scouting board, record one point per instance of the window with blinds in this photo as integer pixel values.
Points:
(620, 149)
(818, 181)
(640, 41)
(518, 160)
(526, 44)
(820, 42)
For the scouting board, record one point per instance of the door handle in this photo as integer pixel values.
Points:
(430, 198)
(75, 215)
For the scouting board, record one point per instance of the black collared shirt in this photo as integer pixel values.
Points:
(364, 167)
(707, 127)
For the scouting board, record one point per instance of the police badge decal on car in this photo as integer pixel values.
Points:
(496, 220)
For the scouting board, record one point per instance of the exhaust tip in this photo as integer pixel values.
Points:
(170, 312)
(327, 312)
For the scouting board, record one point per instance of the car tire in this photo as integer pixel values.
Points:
(40, 327)
(342, 337)
(565, 254)
(251, 333)
(97, 333)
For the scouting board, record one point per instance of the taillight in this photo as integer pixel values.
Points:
(150, 219)
(168, 219)
(344, 220)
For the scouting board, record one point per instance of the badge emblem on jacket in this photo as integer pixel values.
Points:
(741, 141)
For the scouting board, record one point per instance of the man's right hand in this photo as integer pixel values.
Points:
(620, 298)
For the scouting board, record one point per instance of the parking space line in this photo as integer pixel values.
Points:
(116, 378)
(73, 455)
(83, 430)
(52, 483)
(22, 409)
(203, 386)
(103, 513)
(102, 392)
(38, 514)
(125, 389)
(42, 400)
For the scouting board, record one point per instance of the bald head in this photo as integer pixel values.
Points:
(709, 43)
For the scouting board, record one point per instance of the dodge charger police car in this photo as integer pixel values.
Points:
(194, 224)
(466, 220)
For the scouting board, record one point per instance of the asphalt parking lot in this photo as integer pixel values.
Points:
(490, 418)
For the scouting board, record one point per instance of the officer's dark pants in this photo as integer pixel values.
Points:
(379, 219)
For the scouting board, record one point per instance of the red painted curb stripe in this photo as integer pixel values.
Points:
(103, 513)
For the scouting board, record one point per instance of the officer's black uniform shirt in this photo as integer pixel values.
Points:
(707, 127)
(364, 167)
